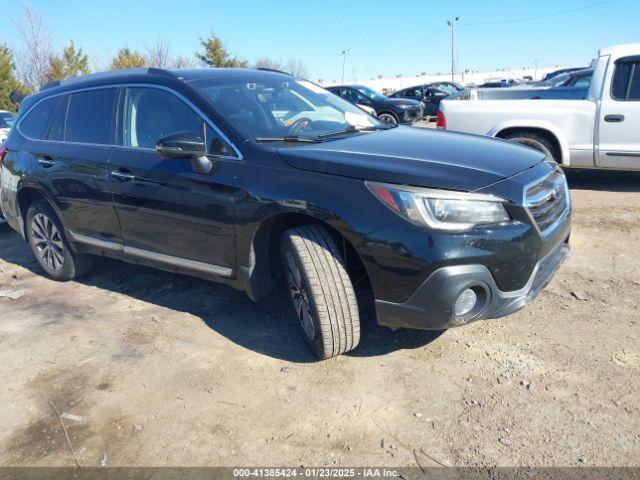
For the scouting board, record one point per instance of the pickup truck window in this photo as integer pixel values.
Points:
(626, 80)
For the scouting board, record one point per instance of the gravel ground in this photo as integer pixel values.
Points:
(160, 369)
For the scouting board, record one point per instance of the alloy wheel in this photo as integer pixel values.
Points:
(47, 242)
(300, 297)
(387, 118)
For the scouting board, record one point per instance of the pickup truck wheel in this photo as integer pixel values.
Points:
(534, 140)
(389, 118)
(48, 243)
(321, 291)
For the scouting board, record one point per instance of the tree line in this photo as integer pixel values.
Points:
(33, 62)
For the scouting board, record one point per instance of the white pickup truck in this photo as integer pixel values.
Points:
(599, 131)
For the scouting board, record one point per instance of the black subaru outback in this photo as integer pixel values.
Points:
(245, 176)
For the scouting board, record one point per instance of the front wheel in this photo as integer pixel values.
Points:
(50, 247)
(321, 291)
(388, 118)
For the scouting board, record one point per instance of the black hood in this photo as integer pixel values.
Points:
(416, 156)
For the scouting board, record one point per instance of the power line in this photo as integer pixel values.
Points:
(413, 44)
(539, 17)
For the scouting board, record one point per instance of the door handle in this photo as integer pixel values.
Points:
(124, 176)
(614, 118)
(46, 161)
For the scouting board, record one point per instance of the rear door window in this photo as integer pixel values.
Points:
(36, 122)
(90, 117)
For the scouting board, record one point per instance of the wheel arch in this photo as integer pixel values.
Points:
(546, 129)
(26, 197)
(264, 255)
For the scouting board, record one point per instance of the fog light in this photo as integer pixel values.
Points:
(465, 303)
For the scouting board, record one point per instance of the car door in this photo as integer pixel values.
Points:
(618, 139)
(69, 154)
(168, 212)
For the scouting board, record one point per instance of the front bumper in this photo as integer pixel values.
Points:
(431, 306)
(411, 115)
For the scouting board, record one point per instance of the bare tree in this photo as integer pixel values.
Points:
(158, 54)
(296, 68)
(180, 61)
(34, 48)
(270, 63)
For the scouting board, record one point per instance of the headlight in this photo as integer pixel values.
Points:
(441, 209)
(404, 106)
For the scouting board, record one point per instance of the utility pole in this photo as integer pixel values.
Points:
(452, 24)
(344, 61)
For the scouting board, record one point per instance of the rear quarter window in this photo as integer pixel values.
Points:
(90, 117)
(36, 121)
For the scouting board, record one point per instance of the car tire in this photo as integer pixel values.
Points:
(388, 117)
(48, 243)
(534, 140)
(322, 294)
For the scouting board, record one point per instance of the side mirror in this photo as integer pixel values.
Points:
(181, 145)
(186, 145)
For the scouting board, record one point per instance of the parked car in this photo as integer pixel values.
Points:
(575, 78)
(6, 122)
(194, 172)
(498, 84)
(389, 110)
(598, 131)
(430, 97)
(561, 71)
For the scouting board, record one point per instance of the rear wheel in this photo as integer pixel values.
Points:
(321, 291)
(50, 247)
(535, 140)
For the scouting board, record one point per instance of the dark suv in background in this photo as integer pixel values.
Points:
(250, 178)
(389, 110)
(430, 95)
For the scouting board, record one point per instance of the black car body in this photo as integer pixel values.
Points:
(430, 95)
(389, 110)
(186, 172)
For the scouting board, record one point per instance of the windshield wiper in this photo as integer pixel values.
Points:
(354, 129)
(289, 138)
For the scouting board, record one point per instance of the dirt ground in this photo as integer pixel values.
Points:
(160, 369)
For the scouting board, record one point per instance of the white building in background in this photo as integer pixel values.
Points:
(392, 84)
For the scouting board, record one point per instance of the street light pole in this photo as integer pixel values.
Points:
(452, 24)
(344, 61)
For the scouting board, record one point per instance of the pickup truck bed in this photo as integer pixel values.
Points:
(597, 129)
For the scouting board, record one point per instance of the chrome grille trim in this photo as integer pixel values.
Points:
(548, 201)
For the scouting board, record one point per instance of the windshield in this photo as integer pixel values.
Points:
(7, 120)
(371, 93)
(274, 108)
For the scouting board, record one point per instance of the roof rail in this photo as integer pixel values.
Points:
(51, 84)
(161, 71)
(264, 69)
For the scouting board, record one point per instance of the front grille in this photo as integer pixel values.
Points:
(548, 201)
